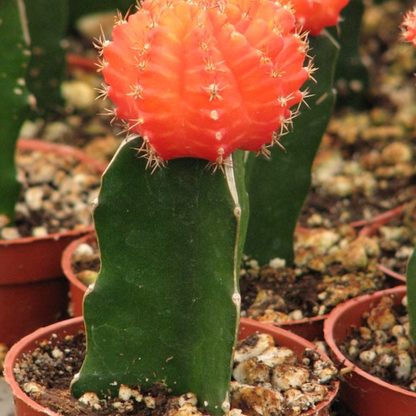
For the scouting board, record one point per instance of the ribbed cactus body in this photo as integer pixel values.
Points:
(202, 79)
(165, 307)
(14, 101)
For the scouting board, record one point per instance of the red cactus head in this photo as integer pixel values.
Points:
(314, 15)
(204, 78)
(409, 26)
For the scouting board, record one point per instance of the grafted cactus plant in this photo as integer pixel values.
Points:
(193, 82)
(276, 202)
(409, 34)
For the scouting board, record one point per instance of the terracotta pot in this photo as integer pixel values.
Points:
(33, 291)
(77, 289)
(311, 329)
(25, 406)
(391, 273)
(363, 393)
(372, 227)
(77, 61)
(380, 219)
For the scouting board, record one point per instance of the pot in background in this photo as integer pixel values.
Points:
(77, 288)
(33, 291)
(25, 406)
(363, 393)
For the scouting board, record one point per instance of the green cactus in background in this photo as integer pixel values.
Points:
(275, 202)
(166, 301)
(351, 76)
(48, 23)
(411, 294)
(14, 102)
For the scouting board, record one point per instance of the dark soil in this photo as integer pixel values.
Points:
(391, 192)
(53, 364)
(56, 375)
(298, 292)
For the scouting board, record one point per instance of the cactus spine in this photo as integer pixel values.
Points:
(165, 307)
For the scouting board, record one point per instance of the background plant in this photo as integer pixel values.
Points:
(32, 67)
(14, 104)
(409, 35)
(277, 201)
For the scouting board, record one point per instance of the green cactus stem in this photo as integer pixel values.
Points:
(351, 75)
(278, 186)
(165, 307)
(48, 21)
(411, 294)
(14, 107)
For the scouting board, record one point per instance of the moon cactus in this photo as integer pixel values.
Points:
(204, 78)
(191, 80)
(314, 16)
(409, 26)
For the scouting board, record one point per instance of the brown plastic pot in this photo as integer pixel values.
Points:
(25, 406)
(33, 291)
(77, 289)
(363, 393)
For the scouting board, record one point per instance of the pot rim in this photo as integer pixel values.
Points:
(392, 273)
(77, 323)
(339, 313)
(66, 260)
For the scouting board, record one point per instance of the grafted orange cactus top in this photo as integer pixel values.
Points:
(409, 26)
(204, 78)
(315, 15)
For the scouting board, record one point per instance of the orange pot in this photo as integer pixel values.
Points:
(363, 393)
(25, 406)
(33, 291)
(77, 289)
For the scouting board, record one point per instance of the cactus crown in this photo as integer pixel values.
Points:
(204, 78)
(408, 26)
(314, 16)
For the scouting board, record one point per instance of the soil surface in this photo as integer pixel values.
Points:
(46, 373)
(382, 345)
(57, 193)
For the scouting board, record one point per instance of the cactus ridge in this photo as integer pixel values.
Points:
(202, 79)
